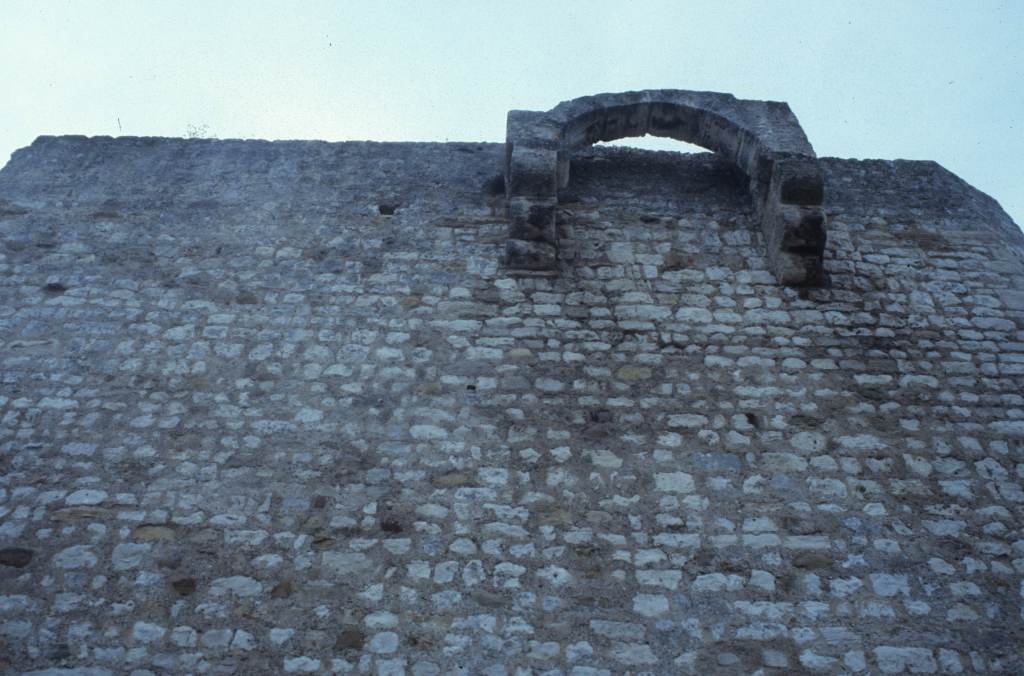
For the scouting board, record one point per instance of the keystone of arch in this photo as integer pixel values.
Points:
(763, 138)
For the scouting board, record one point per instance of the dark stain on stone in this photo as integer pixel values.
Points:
(350, 639)
(452, 480)
(322, 542)
(184, 585)
(316, 253)
(319, 502)
(7, 212)
(16, 557)
(391, 526)
(281, 590)
(247, 298)
(803, 421)
(84, 513)
(170, 561)
(55, 287)
(203, 204)
(386, 209)
(488, 599)
(495, 186)
(673, 261)
(58, 652)
(812, 560)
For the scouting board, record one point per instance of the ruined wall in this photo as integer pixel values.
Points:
(276, 407)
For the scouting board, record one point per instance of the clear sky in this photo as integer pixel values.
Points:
(915, 80)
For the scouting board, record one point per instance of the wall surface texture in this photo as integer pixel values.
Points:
(277, 407)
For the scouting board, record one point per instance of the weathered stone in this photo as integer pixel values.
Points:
(153, 533)
(453, 479)
(895, 660)
(350, 639)
(236, 585)
(630, 373)
(346, 563)
(184, 586)
(79, 556)
(282, 590)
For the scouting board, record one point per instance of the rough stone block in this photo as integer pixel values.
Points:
(532, 221)
(532, 172)
(523, 255)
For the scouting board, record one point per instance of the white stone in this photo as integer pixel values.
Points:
(693, 314)
(309, 415)
(77, 448)
(463, 546)
(618, 630)
(674, 482)
(184, 637)
(217, 638)
(687, 420)
(669, 579)
(243, 640)
(145, 632)
(650, 605)
(809, 442)
(384, 642)
(381, 619)
(889, 585)
(129, 555)
(556, 576)
(303, 665)
(428, 432)
(549, 385)
(633, 653)
(346, 563)
(79, 556)
(716, 582)
(895, 660)
(605, 458)
(762, 579)
(279, 635)
(239, 585)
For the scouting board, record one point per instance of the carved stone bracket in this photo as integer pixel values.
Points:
(763, 138)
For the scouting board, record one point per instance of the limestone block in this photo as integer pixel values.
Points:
(524, 255)
(532, 220)
(532, 172)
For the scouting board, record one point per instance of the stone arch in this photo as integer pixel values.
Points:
(763, 138)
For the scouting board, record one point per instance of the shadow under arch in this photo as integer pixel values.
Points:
(763, 138)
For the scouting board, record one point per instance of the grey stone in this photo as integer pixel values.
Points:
(79, 556)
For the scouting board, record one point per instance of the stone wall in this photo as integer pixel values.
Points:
(275, 407)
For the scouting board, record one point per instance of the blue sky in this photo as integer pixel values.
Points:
(914, 80)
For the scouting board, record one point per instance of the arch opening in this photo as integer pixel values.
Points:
(762, 138)
(655, 144)
(670, 120)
